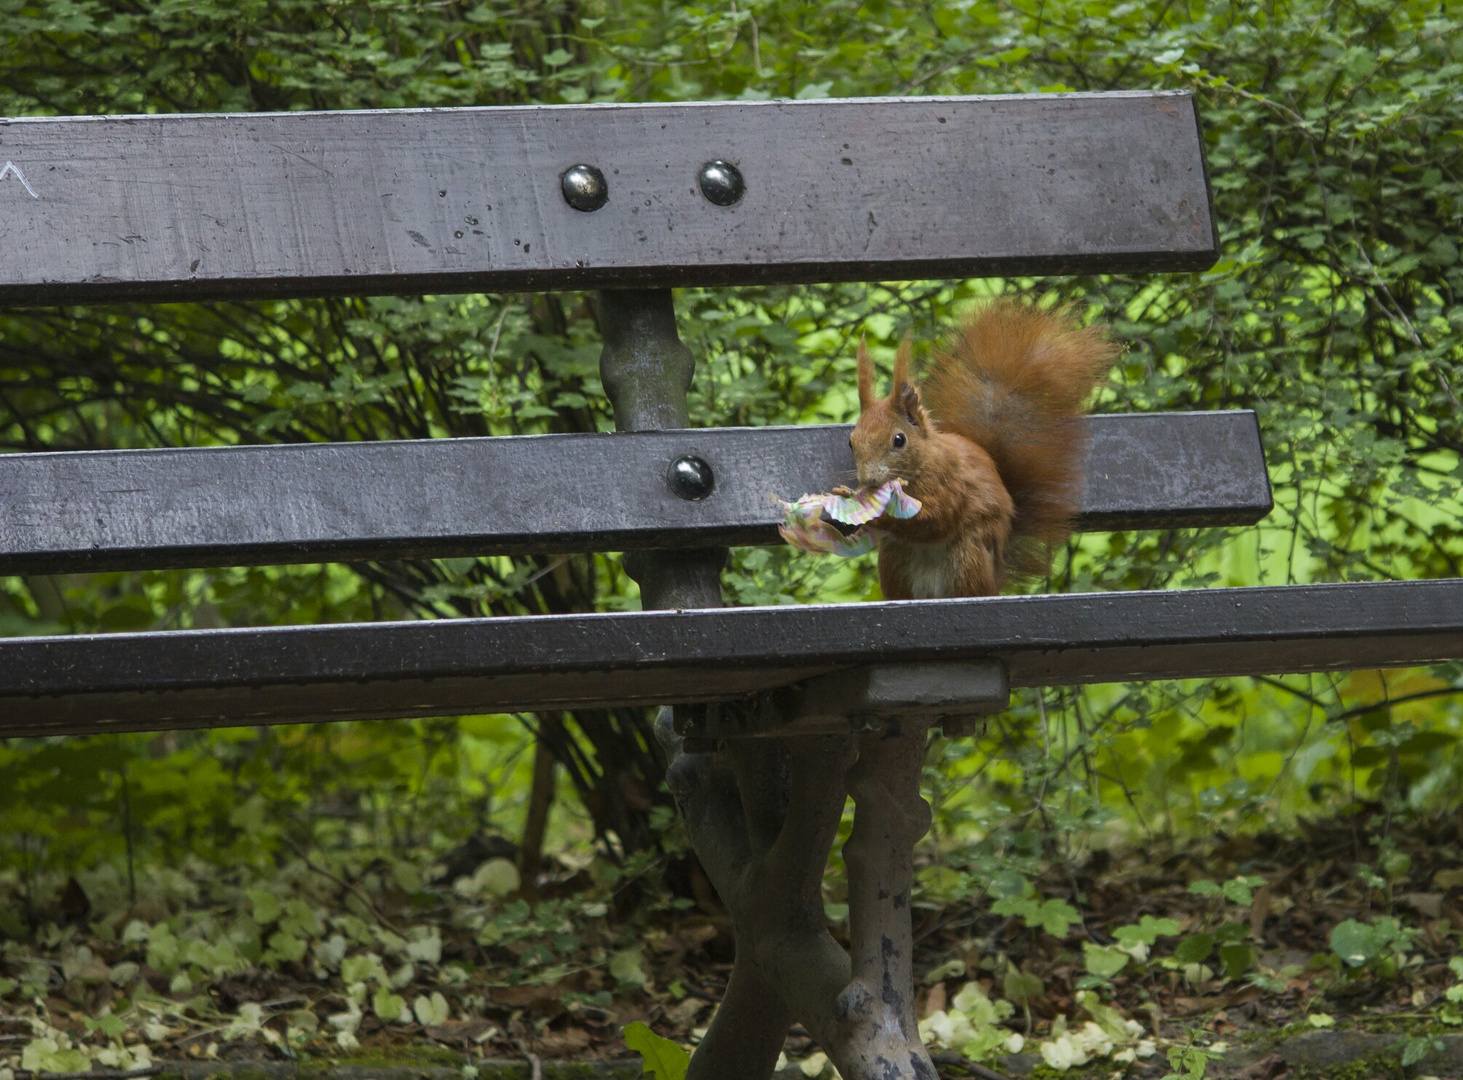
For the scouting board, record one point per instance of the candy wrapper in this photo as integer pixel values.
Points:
(807, 529)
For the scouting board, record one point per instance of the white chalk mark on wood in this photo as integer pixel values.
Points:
(12, 167)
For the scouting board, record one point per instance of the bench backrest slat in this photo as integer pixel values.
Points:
(137, 509)
(462, 200)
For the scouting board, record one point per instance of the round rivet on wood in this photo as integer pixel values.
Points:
(585, 188)
(722, 183)
(690, 478)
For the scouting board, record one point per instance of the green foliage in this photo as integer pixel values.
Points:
(1378, 946)
(1021, 987)
(1237, 957)
(1334, 311)
(1056, 917)
(1103, 962)
(1147, 930)
(1186, 1063)
(1239, 890)
(1194, 949)
(663, 1059)
(971, 1025)
(1416, 1047)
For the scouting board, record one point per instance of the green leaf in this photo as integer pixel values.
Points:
(1237, 958)
(1054, 916)
(46, 1055)
(1396, 864)
(1022, 988)
(1016, 906)
(1112, 1022)
(1103, 961)
(1425, 742)
(162, 950)
(1416, 1047)
(1239, 891)
(431, 1011)
(1368, 756)
(663, 1059)
(978, 1008)
(354, 969)
(425, 945)
(1187, 1063)
(944, 883)
(626, 969)
(1194, 949)
(1204, 887)
(495, 878)
(264, 906)
(1147, 930)
(1007, 883)
(284, 947)
(1358, 943)
(390, 1007)
(109, 1025)
(1355, 942)
(950, 969)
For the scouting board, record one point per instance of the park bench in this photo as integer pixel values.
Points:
(778, 713)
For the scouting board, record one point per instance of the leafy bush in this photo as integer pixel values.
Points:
(1334, 311)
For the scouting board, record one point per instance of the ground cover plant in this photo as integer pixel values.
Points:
(1116, 874)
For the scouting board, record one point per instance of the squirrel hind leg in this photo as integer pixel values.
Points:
(978, 562)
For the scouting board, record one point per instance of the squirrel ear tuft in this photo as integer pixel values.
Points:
(907, 400)
(904, 395)
(901, 366)
(865, 375)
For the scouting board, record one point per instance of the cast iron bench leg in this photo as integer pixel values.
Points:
(889, 819)
(763, 813)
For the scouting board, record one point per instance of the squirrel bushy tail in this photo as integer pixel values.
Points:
(1014, 381)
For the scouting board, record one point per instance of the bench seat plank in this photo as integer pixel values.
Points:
(139, 509)
(466, 200)
(202, 678)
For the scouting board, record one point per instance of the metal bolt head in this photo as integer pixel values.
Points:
(722, 183)
(690, 478)
(584, 188)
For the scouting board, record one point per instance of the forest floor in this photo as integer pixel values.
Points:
(1107, 966)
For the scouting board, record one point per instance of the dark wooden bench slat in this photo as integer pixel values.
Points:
(217, 677)
(135, 509)
(462, 200)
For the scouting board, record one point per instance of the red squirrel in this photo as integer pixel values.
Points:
(991, 443)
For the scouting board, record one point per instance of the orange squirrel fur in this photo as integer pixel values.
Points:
(991, 443)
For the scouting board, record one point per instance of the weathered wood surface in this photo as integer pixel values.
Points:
(217, 677)
(137, 509)
(458, 200)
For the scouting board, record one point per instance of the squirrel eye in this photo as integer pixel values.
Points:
(898, 439)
